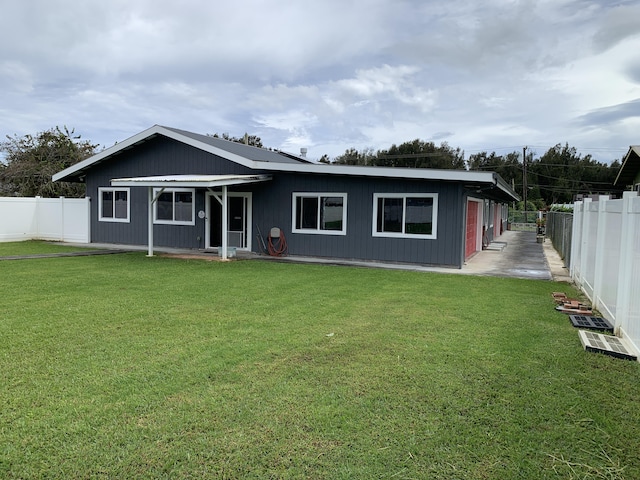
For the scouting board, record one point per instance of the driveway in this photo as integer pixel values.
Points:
(513, 254)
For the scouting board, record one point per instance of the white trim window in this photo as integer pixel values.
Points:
(113, 205)
(319, 213)
(174, 206)
(405, 215)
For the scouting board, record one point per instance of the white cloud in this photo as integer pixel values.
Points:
(326, 75)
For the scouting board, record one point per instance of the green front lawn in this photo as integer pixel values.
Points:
(123, 366)
(34, 247)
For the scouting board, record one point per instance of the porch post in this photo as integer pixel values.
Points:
(225, 221)
(150, 222)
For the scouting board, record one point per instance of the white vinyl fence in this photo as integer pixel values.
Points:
(58, 219)
(605, 259)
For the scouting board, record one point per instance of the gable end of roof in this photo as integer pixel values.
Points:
(630, 167)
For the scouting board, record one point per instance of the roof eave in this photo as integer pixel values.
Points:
(389, 172)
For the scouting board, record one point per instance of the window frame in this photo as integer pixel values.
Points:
(160, 191)
(113, 190)
(318, 230)
(404, 196)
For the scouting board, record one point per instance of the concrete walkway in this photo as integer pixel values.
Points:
(513, 254)
(521, 256)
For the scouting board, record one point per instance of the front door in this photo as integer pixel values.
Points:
(238, 220)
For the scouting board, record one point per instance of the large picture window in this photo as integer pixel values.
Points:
(320, 213)
(411, 215)
(113, 204)
(174, 206)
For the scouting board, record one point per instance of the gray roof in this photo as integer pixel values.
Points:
(490, 183)
(247, 151)
(246, 155)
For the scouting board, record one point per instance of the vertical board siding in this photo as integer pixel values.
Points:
(273, 207)
(158, 156)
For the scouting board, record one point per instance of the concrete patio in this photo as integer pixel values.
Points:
(513, 254)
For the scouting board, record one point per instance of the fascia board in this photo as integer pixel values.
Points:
(505, 187)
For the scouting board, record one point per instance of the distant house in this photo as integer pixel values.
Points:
(172, 188)
(629, 174)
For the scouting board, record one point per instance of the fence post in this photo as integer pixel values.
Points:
(88, 210)
(584, 239)
(575, 239)
(567, 237)
(62, 219)
(624, 269)
(600, 249)
(36, 214)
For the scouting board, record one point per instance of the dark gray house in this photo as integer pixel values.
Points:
(172, 188)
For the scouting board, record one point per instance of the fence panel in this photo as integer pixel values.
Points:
(612, 231)
(49, 219)
(17, 218)
(605, 260)
(57, 219)
(590, 229)
(559, 229)
(522, 221)
(576, 242)
(629, 301)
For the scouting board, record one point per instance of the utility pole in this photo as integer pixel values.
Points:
(524, 181)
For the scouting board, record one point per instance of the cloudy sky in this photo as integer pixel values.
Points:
(329, 75)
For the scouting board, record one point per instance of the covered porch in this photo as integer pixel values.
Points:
(216, 186)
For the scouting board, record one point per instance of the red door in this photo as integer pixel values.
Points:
(472, 229)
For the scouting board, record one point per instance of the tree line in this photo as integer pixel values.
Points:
(554, 177)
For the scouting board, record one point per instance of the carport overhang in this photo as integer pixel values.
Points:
(160, 183)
